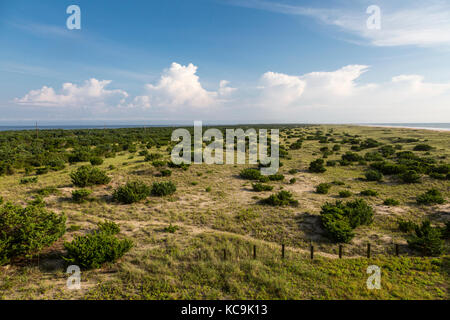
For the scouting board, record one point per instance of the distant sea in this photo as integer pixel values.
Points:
(11, 127)
(426, 126)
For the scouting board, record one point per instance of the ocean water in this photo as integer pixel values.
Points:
(11, 127)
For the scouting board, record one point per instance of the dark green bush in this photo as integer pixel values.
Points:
(391, 202)
(153, 156)
(276, 177)
(282, 198)
(323, 188)
(133, 191)
(80, 195)
(351, 157)
(406, 226)
(25, 231)
(86, 176)
(158, 163)
(316, 166)
(369, 193)
(427, 240)
(423, 147)
(340, 219)
(432, 196)
(292, 181)
(373, 175)
(183, 166)
(166, 172)
(43, 170)
(96, 161)
(259, 187)
(345, 194)
(250, 174)
(410, 176)
(171, 229)
(163, 188)
(95, 249)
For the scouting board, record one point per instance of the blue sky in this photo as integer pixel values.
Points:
(239, 60)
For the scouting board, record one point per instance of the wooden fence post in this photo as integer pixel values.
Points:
(312, 252)
(282, 251)
(254, 252)
(340, 251)
(397, 249)
(224, 254)
(368, 250)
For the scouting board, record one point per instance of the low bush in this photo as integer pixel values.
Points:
(316, 166)
(391, 202)
(153, 156)
(86, 176)
(171, 229)
(373, 175)
(95, 249)
(27, 230)
(80, 195)
(427, 240)
(432, 196)
(323, 188)
(345, 194)
(96, 161)
(133, 191)
(43, 170)
(340, 219)
(410, 176)
(292, 181)
(166, 173)
(369, 193)
(158, 163)
(108, 227)
(250, 174)
(163, 188)
(282, 198)
(406, 226)
(423, 147)
(259, 187)
(276, 177)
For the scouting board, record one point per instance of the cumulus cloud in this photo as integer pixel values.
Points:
(179, 86)
(92, 93)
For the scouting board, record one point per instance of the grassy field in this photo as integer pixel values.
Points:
(214, 210)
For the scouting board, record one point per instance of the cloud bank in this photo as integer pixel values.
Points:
(322, 96)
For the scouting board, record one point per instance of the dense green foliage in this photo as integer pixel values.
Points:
(81, 195)
(340, 219)
(163, 188)
(432, 196)
(27, 230)
(323, 188)
(282, 198)
(317, 166)
(131, 192)
(96, 248)
(259, 187)
(86, 176)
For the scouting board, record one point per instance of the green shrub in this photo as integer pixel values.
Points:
(95, 249)
(43, 170)
(369, 193)
(331, 163)
(323, 188)
(338, 183)
(183, 166)
(410, 176)
(391, 202)
(166, 172)
(345, 194)
(45, 192)
(282, 198)
(163, 188)
(28, 180)
(276, 177)
(427, 240)
(108, 227)
(316, 166)
(96, 161)
(373, 175)
(351, 157)
(293, 171)
(208, 189)
(27, 230)
(432, 196)
(80, 195)
(292, 181)
(86, 176)
(133, 191)
(259, 187)
(406, 226)
(423, 147)
(153, 156)
(340, 219)
(250, 174)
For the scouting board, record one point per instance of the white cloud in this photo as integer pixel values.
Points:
(280, 89)
(92, 93)
(425, 23)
